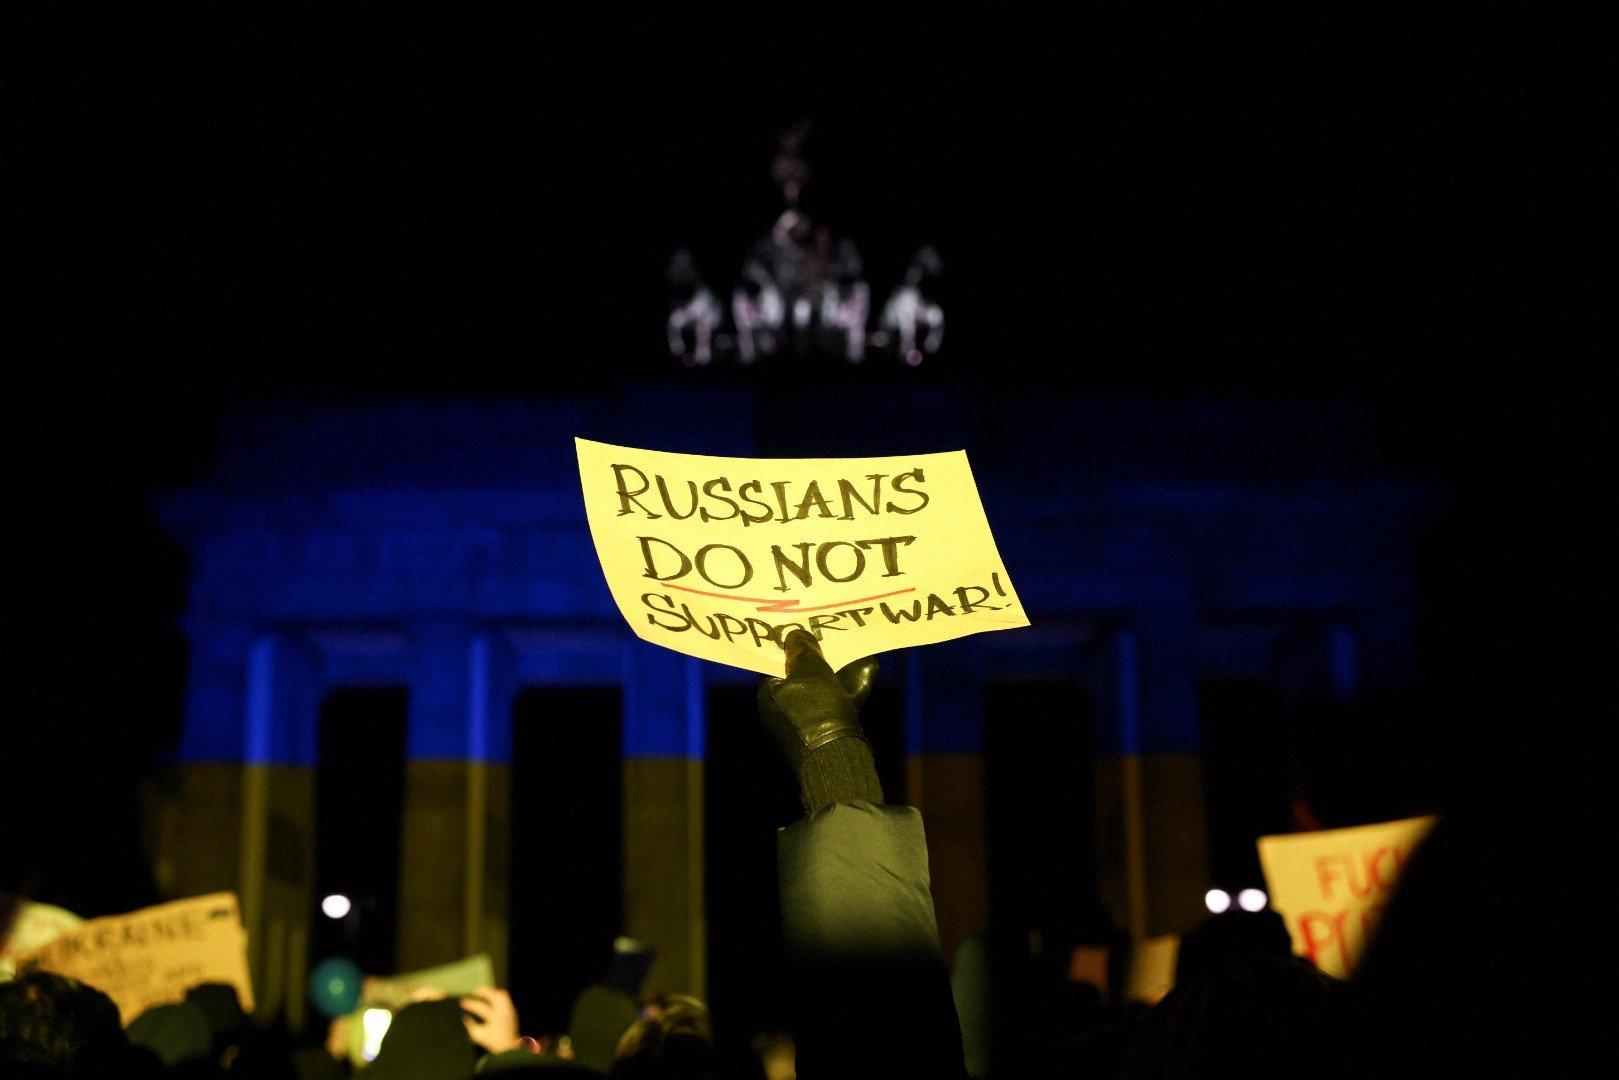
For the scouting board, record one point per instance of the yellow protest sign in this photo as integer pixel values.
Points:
(32, 926)
(1151, 971)
(719, 557)
(447, 980)
(1330, 885)
(154, 955)
(383, 995)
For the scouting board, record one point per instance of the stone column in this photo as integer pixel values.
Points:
(944, 779)
(664, 902)
(193, 809)
(277, 839)
(1152, 825)
(491, 690)
(455, 840)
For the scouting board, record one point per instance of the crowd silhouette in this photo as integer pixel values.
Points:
(871, 994)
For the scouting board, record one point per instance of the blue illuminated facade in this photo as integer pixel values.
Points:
(441, 546)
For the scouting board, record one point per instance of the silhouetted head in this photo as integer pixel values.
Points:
(1231, 933)
(1250, 1015)
(53, 1024)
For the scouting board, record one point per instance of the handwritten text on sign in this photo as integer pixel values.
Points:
(1330, 886)
(153, 956)
(719, 557)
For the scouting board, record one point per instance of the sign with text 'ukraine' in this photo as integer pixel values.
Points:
(154, 955)
(719, 557)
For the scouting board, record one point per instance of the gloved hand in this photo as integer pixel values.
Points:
(812, 706)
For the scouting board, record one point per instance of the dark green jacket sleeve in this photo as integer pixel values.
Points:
(871, 987)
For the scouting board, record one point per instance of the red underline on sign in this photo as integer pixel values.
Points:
(767, 604)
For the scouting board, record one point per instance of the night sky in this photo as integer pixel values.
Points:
(332, 203)
(302, 202)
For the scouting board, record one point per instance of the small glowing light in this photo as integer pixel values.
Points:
(374, 1025)
(1252, 899)
(1217, 900)
(335, 906)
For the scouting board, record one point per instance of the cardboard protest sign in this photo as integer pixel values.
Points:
(33, 925)
(1151, 973)
(719, 557)
(1330, 885)
(154, 955)
(449, 980)
(383, 995)
(1088, 964)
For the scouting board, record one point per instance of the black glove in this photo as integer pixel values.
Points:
(812, 706)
